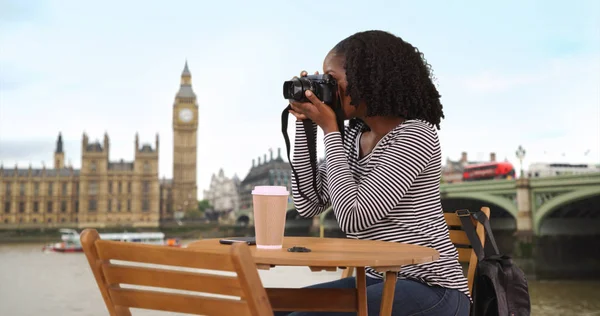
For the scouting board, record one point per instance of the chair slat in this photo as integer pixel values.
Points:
(464, 254)
(302, 299)
(116, 250)
(199, 282)
(452, 219)
(459, 237)
(178, 303)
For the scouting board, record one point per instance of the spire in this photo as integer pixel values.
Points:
(59, 144)
(186, 71)
(185, 89)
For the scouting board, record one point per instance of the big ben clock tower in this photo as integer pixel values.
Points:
(185, 126)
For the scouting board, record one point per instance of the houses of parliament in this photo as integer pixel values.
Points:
(106, 193)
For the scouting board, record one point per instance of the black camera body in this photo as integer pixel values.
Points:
(323, 86)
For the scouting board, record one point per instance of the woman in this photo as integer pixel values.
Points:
(383, 178)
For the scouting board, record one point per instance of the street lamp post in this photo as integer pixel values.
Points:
(520, 155)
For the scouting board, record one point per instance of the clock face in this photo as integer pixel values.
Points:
(186, 115)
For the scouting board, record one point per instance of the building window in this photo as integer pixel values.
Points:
(110, 205)
(145, 205)
(118, 206)
(64, 188)
(128, 187)
(7, 207)
(6, 221)
(92, 205)
(36, 206)
(77, 188)
(50, 188)
(49, 207)
(36, 188)
(35, 220)
(63, 206)
(110, 187)
(22, 189)
(93, 188)
(93, 166)
(146, 187)
(49, 220)
(146, 166)
(21, 207)
(128, 205)
(76, 206)
(7, 189)
(120, 187)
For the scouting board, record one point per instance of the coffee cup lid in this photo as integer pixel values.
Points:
(270, 190)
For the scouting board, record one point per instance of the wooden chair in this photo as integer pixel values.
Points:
(459, 238)
(241, 293)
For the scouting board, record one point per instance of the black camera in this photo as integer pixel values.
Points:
(323, 86)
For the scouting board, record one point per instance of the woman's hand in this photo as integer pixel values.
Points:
(315, 110)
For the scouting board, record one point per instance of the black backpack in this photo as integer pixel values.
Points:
(499, 286)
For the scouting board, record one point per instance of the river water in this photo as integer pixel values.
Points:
(33, 282)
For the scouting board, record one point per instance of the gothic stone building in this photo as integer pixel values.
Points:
(180, 194)
(104, 192)
(273, 172)
(223, 193)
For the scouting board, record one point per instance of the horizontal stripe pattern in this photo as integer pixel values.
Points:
(391, 194)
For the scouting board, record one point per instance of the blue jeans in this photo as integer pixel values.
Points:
(410, 298)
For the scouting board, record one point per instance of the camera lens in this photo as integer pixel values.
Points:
(294, 89)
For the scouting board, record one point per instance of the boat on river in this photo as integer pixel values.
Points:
(71, 242)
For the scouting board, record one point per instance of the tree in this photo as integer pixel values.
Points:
(203, 205)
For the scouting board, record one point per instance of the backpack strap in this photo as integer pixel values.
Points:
(469, 229)
(483, 219)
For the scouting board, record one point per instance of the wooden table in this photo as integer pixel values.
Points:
(330, 254)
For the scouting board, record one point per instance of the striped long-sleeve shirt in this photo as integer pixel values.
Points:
(391, 194)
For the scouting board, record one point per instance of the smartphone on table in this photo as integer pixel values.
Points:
(231, 240)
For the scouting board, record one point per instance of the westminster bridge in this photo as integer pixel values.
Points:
(560, 205)
(554, 222)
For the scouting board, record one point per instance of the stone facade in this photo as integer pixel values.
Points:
(101, 193)
(223, 193)
(104, 192)
(185, 126)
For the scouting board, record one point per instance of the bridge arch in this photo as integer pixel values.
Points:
(502, 202)
(562, 200)
(243, 220)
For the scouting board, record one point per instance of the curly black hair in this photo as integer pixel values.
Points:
(391, 76)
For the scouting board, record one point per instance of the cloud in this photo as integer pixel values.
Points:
(543, 72)
(551, 108)
(36, 152)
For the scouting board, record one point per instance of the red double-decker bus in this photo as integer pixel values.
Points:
(488, 171)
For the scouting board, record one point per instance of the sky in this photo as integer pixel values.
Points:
(510, 73)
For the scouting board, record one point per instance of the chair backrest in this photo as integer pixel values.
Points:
(459, 238)
(228, 285)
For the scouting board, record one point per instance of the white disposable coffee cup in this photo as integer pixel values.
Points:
(270, 207)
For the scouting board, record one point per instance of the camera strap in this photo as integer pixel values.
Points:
(309, 131)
